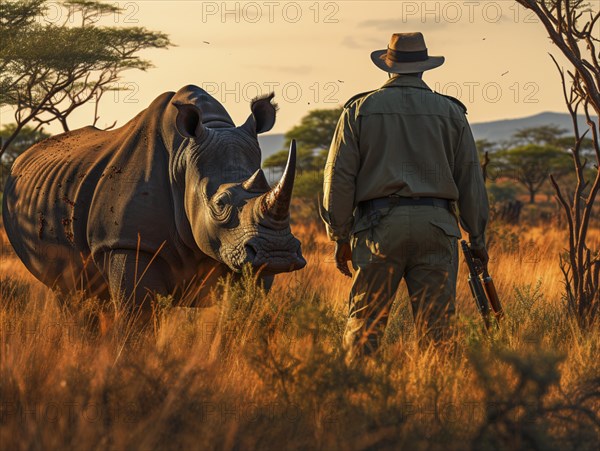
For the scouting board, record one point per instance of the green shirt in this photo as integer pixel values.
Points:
(407, 140)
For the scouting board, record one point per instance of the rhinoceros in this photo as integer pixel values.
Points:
(166, 204)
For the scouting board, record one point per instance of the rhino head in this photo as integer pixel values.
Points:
(235, 216)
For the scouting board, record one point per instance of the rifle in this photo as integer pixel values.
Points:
(483, 291)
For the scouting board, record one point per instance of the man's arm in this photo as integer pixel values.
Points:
(342, 166)
(472, 198)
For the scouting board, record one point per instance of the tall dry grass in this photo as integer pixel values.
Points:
(266, 371)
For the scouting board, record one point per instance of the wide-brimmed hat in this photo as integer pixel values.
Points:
(406, 54)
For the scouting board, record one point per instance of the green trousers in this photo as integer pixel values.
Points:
(417, 243)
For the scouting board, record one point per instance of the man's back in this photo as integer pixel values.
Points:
(408, 136)
(405, 140)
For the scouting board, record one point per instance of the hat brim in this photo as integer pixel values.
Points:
(379, 59)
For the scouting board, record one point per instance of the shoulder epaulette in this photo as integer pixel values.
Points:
(356, 97)
(455, 100)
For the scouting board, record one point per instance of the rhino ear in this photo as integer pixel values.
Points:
(189, 120)
(263, 115)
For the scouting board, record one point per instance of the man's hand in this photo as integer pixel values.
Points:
(481, 255)
(343, 254)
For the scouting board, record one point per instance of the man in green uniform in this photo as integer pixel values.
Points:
(402, 159)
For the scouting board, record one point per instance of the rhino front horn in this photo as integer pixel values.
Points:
(276, 203)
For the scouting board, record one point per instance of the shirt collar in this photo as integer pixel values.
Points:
(408, 80)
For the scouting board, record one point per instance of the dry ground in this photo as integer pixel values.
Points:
(266, 372)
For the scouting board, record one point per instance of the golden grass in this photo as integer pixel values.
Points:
(266, 371)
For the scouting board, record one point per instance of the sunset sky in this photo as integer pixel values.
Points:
(317, 55)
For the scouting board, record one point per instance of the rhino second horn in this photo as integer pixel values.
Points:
(276, 203)
(257, 183)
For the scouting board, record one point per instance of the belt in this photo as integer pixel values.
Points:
(394, 201)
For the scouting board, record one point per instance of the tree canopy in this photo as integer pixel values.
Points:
(544, 134)
(49, 68)
(532, 164)
(316, 129)
(313, 136)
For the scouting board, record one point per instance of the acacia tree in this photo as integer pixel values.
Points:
(544, 134)
(47, 70)
(531, 164)
(316, 128)
(314, 135)
(573, 26)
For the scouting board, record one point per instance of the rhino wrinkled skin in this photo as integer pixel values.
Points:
(167, 203)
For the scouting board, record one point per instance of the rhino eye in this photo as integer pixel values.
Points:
(221, 207)
(220, 203)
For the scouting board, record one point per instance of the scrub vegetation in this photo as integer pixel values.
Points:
(267, 371)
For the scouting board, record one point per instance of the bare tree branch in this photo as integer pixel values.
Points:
(561, 18)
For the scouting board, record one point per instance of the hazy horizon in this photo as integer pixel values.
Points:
(317, 55)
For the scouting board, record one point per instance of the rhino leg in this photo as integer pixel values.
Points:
(135, 277)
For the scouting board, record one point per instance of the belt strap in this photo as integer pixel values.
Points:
(394, 201)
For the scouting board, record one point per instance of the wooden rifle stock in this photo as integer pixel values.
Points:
(492, 295)
(483, 291)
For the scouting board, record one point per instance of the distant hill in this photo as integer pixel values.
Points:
(501, 130)
(494, 131)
